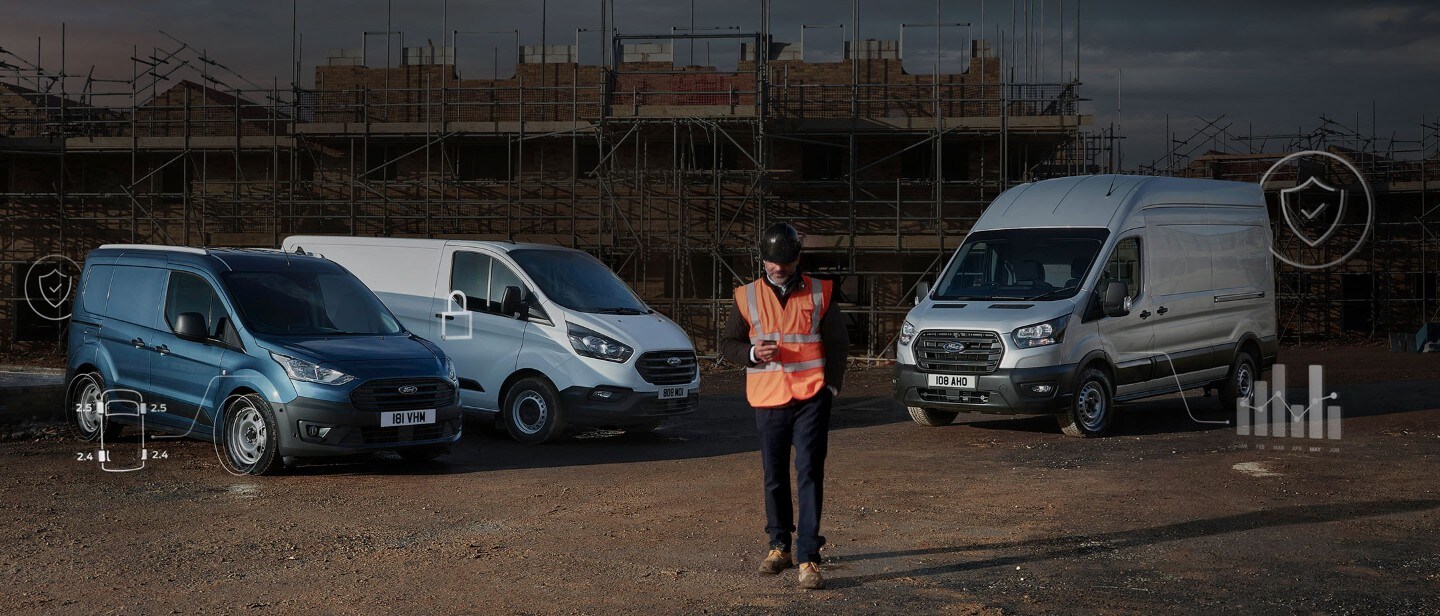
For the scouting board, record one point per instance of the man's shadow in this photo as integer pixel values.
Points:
(1050, 548)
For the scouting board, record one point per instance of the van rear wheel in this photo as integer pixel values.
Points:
(932, 417)
(532, 411)
(1091, 408)
(1240, 383)
(85, 408)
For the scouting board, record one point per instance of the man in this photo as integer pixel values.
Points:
(785, 330)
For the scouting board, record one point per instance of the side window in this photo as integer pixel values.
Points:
(1124, 267)
(502, 276)
(470, 274)
(135, 295)
(191, 293)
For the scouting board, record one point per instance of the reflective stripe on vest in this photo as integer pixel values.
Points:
(799, 374)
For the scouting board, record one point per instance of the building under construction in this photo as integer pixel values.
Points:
(1388, 285)
(664, 169)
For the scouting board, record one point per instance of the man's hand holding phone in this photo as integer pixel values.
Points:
(767, 351)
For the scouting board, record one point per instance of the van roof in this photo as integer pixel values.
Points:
(320, 240)
(1107, 200)
(214, 260)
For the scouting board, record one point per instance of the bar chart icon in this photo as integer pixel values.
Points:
(1269, 412)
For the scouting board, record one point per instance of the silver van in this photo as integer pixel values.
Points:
(1072, 294)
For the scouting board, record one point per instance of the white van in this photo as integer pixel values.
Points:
(543, 336)
(1071, 294)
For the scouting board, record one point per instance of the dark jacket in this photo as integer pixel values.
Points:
(735, 342)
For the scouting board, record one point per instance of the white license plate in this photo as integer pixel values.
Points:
(407, 418)
(957, 381)
(670, 393)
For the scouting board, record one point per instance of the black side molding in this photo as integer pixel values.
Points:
(1235, 297)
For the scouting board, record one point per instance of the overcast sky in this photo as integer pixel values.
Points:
(1269, 67)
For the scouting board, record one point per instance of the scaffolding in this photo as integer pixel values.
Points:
(665, 171)
(1389, 286)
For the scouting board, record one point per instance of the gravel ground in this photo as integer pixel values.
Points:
(991, 515)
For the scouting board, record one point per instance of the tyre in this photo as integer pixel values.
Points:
(252, 436)
(423, 454)
(532, 411)
(1240, 383)
(932, 417)
(1091, 408)
(85, 408)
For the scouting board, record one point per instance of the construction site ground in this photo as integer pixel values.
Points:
(990, 515)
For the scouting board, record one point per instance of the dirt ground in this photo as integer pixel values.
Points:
(991, 515)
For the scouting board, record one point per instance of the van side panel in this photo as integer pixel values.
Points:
(131, 316)
(1182, 277)
(1244, 300)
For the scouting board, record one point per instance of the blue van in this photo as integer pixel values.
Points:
(273, 356)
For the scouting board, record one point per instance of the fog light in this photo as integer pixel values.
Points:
(314, 432)
(1038, 389)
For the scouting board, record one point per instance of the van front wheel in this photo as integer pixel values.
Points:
(252, 436)
(532, 411)
(1091, 408)
(931, 417)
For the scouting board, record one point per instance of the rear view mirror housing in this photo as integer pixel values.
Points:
(511, 304)
(922, 289)
(191, 326)
(1115, 303)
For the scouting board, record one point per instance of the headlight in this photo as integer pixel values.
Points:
(1041, 334)
(591, 344)
(907, 333)
(449, 370)
(301, 370)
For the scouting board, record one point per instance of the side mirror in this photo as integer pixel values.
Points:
(191, 326)
(510, 302)
(1116, 302)
(922, 289)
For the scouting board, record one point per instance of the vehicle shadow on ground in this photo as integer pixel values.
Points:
(723, 425)
(1050, 548)
(1199, 413)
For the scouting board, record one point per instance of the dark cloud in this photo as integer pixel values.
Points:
(1273, 66)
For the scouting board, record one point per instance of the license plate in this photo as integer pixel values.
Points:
(670, 393)
(958, 381)
(407, 418)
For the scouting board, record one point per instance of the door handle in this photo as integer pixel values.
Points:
(138, 342)
(163, 350)
(1144, 314)
(1162, 310)
(447, 317)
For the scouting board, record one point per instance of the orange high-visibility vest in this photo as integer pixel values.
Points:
(799, 373)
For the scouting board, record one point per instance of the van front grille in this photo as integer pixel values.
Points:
(674, 406)
(936, 394)
(667, 367)
(979, 353)
(403, 394)
(376, 435)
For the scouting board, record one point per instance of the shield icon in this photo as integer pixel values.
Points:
(1304, 204)
(54, 287)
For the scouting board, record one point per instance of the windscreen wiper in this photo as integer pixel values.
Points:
(1049, 293)
(623, 311)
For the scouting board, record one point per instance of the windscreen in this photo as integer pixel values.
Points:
(578, 282)
(1021, 264)
(308, 304)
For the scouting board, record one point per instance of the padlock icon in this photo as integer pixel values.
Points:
(458, 298)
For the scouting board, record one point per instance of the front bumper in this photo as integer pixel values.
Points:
(997, 392)
(624, 407)
(354, 431)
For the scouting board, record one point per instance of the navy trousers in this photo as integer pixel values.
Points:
(806, 427)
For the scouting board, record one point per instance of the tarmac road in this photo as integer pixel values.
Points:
(991, 515)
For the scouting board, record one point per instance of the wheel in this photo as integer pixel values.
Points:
(647, 426)
(423, 454)
(1240, 383)
(85, 400)
(252, 436)
(932, 417)
(1092, 407)
(532, 411)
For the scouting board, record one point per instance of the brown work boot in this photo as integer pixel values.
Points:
(810, 577)
(776, 561)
